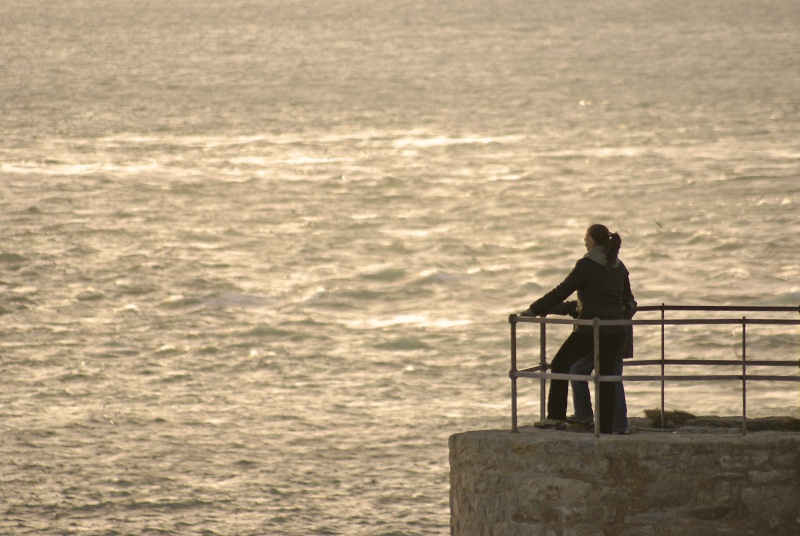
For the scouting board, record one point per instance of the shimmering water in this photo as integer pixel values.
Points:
(258, 256)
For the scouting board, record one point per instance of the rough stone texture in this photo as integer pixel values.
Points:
(651, 483)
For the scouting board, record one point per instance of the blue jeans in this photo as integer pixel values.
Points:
(581, 400)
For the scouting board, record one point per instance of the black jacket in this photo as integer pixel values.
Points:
(603, 292)
(571, 308)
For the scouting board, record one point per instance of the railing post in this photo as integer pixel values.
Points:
(543, 363)
(596, 334)
(744, 375)
(512, 319)
(663, 370)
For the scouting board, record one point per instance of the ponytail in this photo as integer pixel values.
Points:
(612, 248)
(610, 242)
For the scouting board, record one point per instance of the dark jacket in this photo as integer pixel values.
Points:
(571, 308)
(603, 292)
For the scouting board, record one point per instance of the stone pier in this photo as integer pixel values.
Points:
(651, 483)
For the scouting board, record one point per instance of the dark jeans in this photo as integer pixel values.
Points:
(575, 347)
(582, 400)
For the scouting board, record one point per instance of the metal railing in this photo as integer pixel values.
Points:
(541, 371)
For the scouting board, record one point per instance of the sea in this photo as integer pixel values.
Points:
(258, 256)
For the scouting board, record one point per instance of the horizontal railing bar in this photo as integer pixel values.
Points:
(699, 362)
(562, 376)
(724, 308)
(761, 377)
(553, 376)
(749, 377)
(679, 377)
(709, 321)
(777, 322)
(627, 378)
(666, 322)
(731, 362)
(543, 320)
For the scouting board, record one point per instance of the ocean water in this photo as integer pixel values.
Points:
(258, 256)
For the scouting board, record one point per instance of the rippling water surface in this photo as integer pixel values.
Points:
(258, 257)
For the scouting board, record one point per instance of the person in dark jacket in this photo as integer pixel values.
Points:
(603, 286)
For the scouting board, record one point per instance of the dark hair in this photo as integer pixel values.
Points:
(611, 242)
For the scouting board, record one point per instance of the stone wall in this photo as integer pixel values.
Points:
(545, 482)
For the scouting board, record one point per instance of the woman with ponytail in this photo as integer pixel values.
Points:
(604, 292)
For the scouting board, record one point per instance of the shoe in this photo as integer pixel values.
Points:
(625, 431)
(551, 423)
(585, 422)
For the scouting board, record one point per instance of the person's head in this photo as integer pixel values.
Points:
(599, 235)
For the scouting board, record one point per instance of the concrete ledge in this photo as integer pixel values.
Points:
(651, 483)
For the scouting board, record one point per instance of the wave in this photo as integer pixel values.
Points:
(417, 320)
(386, 275)
(788, 298)
(439, 276)
(444, 141)
(58, 168)
(267, 331)
(11, 258)
(90, 295)
(403, 344)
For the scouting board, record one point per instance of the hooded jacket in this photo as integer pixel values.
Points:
(603, 292)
